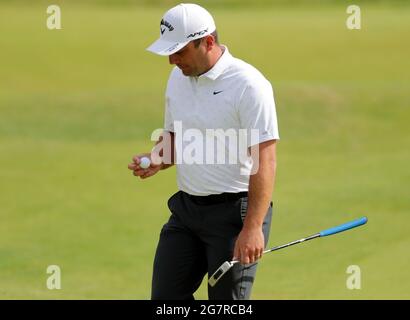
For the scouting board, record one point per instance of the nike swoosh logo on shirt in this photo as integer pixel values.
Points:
(162, 31)
(216, 92)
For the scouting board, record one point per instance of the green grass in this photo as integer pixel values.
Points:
(76, 104)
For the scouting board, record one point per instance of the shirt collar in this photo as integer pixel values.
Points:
(220, 66)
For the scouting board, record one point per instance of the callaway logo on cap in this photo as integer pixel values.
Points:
(180, 25)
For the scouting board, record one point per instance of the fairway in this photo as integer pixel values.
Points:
(76, 104)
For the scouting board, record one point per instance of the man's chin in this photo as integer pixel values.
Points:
(186, 73)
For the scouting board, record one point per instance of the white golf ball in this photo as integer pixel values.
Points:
(145, 162)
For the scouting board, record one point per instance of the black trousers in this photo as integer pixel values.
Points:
(199, 236)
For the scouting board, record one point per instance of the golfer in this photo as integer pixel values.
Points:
(222, 210)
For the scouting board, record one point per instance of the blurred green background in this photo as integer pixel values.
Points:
(76, 104)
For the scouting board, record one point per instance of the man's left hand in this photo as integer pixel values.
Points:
(249, 245)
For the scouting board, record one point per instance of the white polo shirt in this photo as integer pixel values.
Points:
(233, 96)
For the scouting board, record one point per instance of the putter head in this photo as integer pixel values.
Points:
(220, 272)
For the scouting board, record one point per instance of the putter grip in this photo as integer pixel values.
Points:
(343, 227)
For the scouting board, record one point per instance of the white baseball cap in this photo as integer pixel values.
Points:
(180, 25)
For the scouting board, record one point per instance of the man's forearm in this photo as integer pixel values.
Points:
(261, 186)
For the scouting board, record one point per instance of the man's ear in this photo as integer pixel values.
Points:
(210, 42)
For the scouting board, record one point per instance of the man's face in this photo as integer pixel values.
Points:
(189, 59)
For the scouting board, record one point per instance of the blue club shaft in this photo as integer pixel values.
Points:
(324, 233)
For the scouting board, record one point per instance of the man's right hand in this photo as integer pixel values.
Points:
(143, 173)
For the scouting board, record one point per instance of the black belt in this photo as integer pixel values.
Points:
(217, 198)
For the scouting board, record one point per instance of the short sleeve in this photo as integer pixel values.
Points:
(257, 112)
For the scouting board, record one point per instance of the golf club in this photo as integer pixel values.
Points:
(227, 265)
